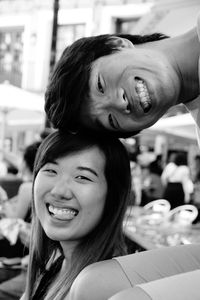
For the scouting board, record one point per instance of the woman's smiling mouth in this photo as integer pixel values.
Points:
(62, 213)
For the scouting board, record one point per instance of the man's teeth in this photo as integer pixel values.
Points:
(68, 213)
(143, 94)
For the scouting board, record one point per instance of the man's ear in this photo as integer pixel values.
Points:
(120, 42)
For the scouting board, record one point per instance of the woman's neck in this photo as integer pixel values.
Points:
(68, 248)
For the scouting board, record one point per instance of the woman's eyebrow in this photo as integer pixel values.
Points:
(82, 168)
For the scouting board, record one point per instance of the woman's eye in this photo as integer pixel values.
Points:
(81, 177)
(49, 171)
(100, 87)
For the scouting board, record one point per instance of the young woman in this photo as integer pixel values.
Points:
(80, 194)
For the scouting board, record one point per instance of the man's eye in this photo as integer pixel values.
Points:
(100, 87)
(110, 119)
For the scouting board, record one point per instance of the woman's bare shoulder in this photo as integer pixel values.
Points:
(98, 281)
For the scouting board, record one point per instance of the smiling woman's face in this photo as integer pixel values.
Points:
(130, 90)
(70, 194)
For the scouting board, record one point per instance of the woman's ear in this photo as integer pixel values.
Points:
(120, 42)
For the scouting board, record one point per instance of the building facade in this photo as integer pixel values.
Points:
(26, 29)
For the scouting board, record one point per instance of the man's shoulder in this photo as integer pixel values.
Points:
(198, 25)
(194, 108)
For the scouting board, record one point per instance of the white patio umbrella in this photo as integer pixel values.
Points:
(13, 97)
(179, 131)
(18, 106)
(182, 125)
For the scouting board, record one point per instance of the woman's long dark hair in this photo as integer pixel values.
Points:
(106, 239)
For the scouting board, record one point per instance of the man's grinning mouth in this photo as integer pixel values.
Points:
(143, 94)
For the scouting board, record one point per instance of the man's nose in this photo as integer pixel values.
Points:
(62, 189)
(121, 101)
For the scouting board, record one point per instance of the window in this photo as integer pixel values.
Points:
(126, 25)
(11, 49)
(66, 35)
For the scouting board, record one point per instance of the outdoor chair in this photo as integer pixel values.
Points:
(159, 206)
(183, 286)
(183, 215)
(102, 280)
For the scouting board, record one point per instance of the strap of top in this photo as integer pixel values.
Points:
(47, 279)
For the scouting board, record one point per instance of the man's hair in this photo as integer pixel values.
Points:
(68, 86)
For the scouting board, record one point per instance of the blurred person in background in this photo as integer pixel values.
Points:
(152, 188)
(177, 182)
(169, 168)
(3, 165)
(18, 206)
(158, 163)
(136, 180)
(14, 257)
(3, 196)
(13, 279)
(196, 182)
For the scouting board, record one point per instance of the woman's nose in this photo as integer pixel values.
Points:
(62, 189)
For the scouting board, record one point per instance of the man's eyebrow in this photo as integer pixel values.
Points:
(112, 123)
(51, 161)
(116, 133)
(101, 127)
(82, 168)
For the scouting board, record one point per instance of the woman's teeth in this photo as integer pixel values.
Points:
(143, 94)
(63, 213)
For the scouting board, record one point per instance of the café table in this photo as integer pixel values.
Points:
(150, 231)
